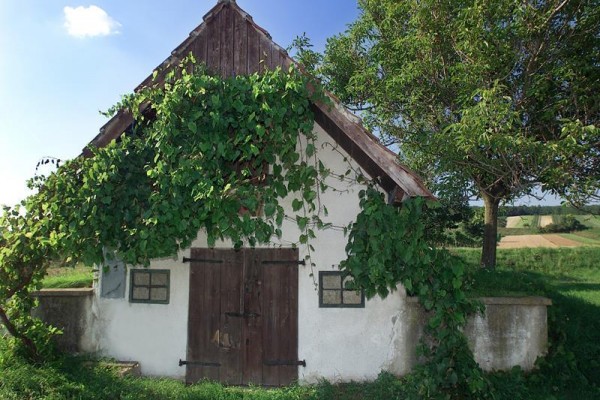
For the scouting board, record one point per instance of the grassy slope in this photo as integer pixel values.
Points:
(571, 278)
(68, 277)
(591, 221)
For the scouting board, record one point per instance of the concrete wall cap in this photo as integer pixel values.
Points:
(509, 301)
(71, 292)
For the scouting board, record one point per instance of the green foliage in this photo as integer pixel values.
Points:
(75, 378)
(388, 246)
(493, 98)
(204, 153)
(565, 224)
(464, 229)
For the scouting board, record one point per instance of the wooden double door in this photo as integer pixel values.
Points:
(243, 316)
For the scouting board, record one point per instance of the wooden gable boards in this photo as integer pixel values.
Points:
(230, 43)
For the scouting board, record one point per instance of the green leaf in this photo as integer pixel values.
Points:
(269, 209)
(192, 127)
(297, 204)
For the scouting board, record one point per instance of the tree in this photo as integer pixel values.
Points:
(494, 98)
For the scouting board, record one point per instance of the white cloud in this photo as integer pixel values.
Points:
(89, 21)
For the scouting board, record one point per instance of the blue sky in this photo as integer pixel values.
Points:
(58, 67)
(63, 61)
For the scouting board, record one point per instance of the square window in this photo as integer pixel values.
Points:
(335, 292)
(149, 286)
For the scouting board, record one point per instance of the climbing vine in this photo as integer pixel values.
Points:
(388, 246)
(204, 153)
(221, 155)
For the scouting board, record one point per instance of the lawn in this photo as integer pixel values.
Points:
(569, 276)
(68, 277)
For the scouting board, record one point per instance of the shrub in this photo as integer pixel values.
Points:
(566, 224)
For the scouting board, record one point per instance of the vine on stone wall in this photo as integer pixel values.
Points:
(388, 246)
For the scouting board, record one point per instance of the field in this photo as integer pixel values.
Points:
(523, 221)
(523, 231)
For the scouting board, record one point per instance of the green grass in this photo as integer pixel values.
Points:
(69, 378)
(68, 277)
(518, 231)
(571, 278)
(576, 237)
(591, 221)
(593, 233)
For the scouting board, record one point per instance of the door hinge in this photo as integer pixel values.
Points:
(300, 262)
(204, 260)
(198, 363)
(272, 363)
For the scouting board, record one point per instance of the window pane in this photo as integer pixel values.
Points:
(141, 278)
(332, 297)
(159, 279)
(159, 294)
(348, 282)
(352, 297)
(332, 281)
(140, 293)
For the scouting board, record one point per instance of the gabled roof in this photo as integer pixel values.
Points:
(230, 43)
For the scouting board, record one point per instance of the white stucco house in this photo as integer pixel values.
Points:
(256, 315)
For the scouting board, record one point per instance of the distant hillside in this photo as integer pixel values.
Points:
(511, 211)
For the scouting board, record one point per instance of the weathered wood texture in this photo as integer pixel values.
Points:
(229, 43)
(243, 316)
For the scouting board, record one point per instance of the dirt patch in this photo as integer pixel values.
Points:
(520, 241)
(562, 241)
(545, 220)
(513, 222)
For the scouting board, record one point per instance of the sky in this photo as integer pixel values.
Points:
(63, 61)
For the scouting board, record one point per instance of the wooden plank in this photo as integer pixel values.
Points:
(200, 47)
(289, 350)
(282, 61)
(240, 45)
(203, 317)
(253, 52)
(226, 42)
(252, 359)
(280, 325)
(213, 43)
(274, 59)
(265, 53)
(230, 338)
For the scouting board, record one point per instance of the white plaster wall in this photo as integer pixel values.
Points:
(337, 343)
(153, 334)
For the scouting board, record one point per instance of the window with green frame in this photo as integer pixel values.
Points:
(149, 286)
(334, 291)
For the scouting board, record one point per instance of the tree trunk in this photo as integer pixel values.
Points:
(490, 231)
(27, 342)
